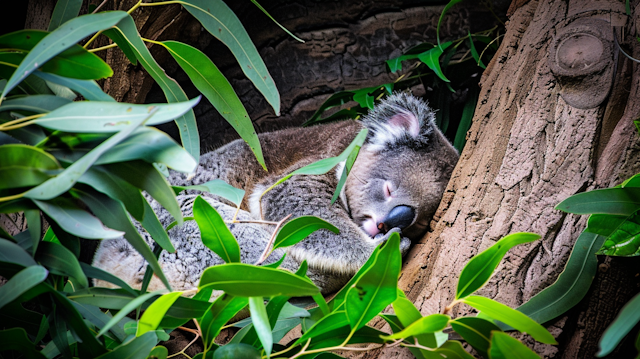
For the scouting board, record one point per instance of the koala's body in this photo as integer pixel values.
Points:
(395, 185)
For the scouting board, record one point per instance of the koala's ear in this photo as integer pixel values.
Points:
(400, 120)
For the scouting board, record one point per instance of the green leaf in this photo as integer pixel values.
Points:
(337, 99)
(215, 233)
(94, 315)
(113, 214)
(154, 313)
(130, 306)
(59, 260)
(59, 40)
(280, 26)
(107, 117)
(21, 282)
(158, 352)
(16, 339)
(137, 348)
(444, 11)
(364, 98)
(467, 116)
(429, 324)
(260, 322)
(35, 227)
(217, 187)
(13, 253)
(152, 224)
(146, 177)
(572, 284)
(34, 103)
(475, 331)
(89, 89)
(626, 319)
(67, 178)
(512, 317)
(126, 35)
(345, 173)
(221, 22)
(24, 166)
(64, 11)
(408, 314)
(97, 273)
(619, 201)
(432, 59)
(216, 88)
(74, 62)
(474, 52)
(326, 324)
(622, 233)
(336, 337)
(74, 220)
(250, 281)
(325, 165)
(503, 346)
(300, 228)
(222, 310)
(479, 269)
(117, 188)
(452, 349)
(377, 287)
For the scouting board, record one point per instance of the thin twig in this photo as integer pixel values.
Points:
(267, 249)
(99, 6)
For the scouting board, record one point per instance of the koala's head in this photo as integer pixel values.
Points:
(402, 169)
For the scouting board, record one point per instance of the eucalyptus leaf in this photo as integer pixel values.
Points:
(59, 40)
(137, 348)
(97, 273)
(34, 103)
(14, 254)
(115, 187)
(260, 322)
(622, 233)
(429, 324)
(99, 319)
(408, 314)
(222, 310)
(154, 313)
(107, 117)
(126, 35)
(624, 322)
(216, 88)
(503, 346)
(21, 282)
(59, 260)
(300, 228)
(326, 324)
(216, 187)
(479, 269)
(377, 287)
(16, 339)
(64, 11)
(222, 23)
(619, 201)
(432, 59)
(131, 305)
(215, 233)
(475, 331)
(250, 281)
(512, 317)
(89, 89)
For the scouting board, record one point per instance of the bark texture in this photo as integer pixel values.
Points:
(528, 150)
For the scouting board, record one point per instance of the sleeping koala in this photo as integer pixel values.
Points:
(395, 185)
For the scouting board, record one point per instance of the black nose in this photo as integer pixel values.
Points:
(400, 217)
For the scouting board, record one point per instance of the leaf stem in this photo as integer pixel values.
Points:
(267, 248)
(449, 307)
(103, 47)
(8, 64)
(15, 196)
(20, 122)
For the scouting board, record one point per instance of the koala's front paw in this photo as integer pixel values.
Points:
(405, 242)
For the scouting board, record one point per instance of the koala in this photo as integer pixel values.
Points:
(395, 185)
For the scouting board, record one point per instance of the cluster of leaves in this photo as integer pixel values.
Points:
(441, 68)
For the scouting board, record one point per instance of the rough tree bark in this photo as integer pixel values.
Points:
(529, 149)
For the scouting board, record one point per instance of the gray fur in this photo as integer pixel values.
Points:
(406, 161)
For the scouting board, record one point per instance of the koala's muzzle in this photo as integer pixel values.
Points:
(399, 217)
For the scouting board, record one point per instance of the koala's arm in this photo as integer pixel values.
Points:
(341, 254)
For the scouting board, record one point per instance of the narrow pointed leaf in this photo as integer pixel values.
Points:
(503, 346)
(89, 89)
(222, 310)
(16, 339)
(35, 227)
(626, 319)
(512, 317)
(300, 228)
(572, 284)
(432, 59)
(113, 214)
(59, 40)
(479, 269)
(221, 22)
(474, 52)
(107, 117)
(450, 4)
(59, 260)
(67, 178)
(13, 253)
(217, 187)
(326, 324)
(154, 313)
(216, 88)
(97, 273)
(475, 331)
(260, 322)
(249, 281)
(408, 314)
(622, 233)
(64, 11)
(618, 201)
(127, 37)
(137, 348)
(75, 220)
(429, 324)
(152, 224)
(21, 282)
(34, 103)
(215, 233)
(117, 188)
(377, 287)
(348, 164)
(132, 305)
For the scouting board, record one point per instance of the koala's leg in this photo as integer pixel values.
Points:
(332, 258)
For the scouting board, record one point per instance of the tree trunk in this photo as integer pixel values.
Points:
(529, 148)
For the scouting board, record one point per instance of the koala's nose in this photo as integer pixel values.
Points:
(400, 217)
